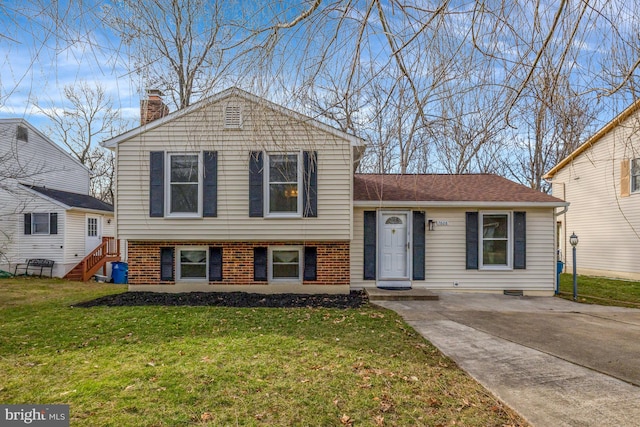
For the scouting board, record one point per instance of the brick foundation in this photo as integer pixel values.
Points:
(237, 262)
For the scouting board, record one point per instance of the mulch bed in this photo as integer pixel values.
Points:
(229, 299)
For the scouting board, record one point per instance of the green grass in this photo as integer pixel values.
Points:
(600, 290)
(179, 366)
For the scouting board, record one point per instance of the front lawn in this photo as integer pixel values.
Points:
(600, 290)
(178, 366)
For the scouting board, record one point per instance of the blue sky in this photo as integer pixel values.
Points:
(38, 60)
(36, 64)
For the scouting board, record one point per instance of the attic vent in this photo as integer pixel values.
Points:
(233, 117)
(22, 134)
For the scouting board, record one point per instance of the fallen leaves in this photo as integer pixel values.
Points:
(346, 420)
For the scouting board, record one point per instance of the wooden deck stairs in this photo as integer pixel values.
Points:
(107, 251)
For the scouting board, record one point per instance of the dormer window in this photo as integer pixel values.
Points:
(22, 134)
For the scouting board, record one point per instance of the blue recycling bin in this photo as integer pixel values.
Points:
(559, 268)
(119, 272)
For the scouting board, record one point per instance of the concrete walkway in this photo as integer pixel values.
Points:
(555, 362)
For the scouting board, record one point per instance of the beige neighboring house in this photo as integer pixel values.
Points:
(236, 193)
(601, 181)
(45, 207)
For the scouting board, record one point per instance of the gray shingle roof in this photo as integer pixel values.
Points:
(73, 200)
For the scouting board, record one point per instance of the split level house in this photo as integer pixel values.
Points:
(601, 180)
(238, 193)
(46, 211)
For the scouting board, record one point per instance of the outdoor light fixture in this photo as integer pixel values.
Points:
(431, 225)
(573, 239)
(109, 221)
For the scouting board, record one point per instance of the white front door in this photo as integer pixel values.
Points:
(93, 233)
(394, 247)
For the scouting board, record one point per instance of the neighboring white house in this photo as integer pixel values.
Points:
(601, 181)
(45, 207)
(238, 193)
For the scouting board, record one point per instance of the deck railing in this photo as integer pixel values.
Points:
(108, 250)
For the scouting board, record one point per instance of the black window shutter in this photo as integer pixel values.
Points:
(519, 240)
(256, 194)
(310, 263)
(210, 190)
(215, 264)
(370, 245)
(27, 223)
(156, 184)
(53, 223)
(418, 245)
(472, 240)
(260, 264)
(310, 183)
(166, 264)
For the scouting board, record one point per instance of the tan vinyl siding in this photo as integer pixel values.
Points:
(445, 254)
(262, 129)
(607, 224)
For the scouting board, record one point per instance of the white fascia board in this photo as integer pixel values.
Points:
(460, 204)
(94, 211)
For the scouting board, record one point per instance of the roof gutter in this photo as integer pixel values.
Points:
(563, 211)
(458, 204)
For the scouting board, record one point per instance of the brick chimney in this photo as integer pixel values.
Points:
(152, 108)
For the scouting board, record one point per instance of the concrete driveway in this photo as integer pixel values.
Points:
(555, 362)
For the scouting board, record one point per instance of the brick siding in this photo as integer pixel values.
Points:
(332, 265)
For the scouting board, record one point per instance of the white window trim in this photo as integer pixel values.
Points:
(167, 186)
(509, 265)
(33, 225)
(300, 264)
(179, 277)
(266, 186)
(631, 175)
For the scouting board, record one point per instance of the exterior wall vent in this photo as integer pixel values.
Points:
(232, 117)
(513, 292)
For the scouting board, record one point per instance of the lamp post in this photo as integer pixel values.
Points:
(573, 239)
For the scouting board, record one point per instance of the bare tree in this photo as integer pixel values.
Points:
(177, 45)
(87, 118)
(553, 121)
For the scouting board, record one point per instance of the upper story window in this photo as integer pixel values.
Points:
(283, 185)
(496, 244)
(184, 181)
(22, 134)
(635, 175)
